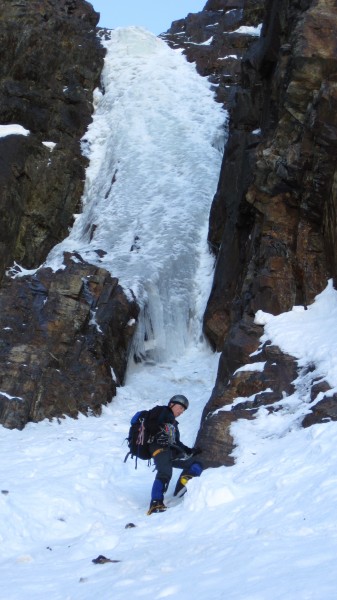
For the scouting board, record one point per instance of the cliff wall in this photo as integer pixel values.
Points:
(46, 85)
(273, 220)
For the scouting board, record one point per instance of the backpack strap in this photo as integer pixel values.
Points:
(127, 456)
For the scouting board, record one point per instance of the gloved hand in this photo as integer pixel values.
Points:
(196, 451)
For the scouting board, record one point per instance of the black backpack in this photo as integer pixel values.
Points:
(141, 429)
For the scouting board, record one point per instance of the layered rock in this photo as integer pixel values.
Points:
(46, 86)
(265, 379)
(64, 342)
(216, 39)
(273, 229)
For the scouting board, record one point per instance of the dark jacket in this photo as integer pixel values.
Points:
(164, 431)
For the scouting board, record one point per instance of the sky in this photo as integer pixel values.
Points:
(262, 529)
(154, 15)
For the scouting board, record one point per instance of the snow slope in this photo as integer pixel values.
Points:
(263, 529)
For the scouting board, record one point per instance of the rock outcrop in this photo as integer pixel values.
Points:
(273, 219)
(216, 40)
(64, 342)
(46, 86)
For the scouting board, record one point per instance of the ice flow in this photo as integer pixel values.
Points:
(154, 148)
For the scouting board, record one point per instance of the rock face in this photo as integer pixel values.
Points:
(215, 41)
(64, 342)
(273, 220)
(46, 85)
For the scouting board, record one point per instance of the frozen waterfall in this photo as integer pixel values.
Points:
(155, 149)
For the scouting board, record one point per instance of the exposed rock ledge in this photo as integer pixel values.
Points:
(64, 342)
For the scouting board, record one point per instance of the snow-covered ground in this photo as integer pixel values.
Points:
(263, 529)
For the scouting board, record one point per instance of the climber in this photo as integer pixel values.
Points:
(168, 451)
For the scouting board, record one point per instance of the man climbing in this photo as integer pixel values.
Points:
(168, 451)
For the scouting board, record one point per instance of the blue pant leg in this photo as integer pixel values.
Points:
(163, 464)
(190, 466)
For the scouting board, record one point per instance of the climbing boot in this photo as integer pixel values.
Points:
(180, 488)
(156, 506)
